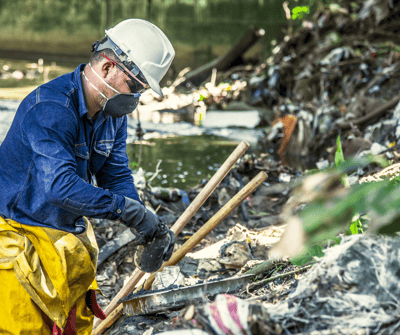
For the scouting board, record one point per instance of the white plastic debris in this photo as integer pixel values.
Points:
(284, 177)
(377, 148)
(322, 164)
(184, 332)
(170, 275)
(228, 315)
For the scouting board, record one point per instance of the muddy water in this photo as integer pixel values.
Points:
(189, 153)
(185, 160)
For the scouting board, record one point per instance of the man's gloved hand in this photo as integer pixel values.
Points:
(143, 223)
(156, 242)
(149, 257)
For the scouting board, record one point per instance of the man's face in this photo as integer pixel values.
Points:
(124, 80)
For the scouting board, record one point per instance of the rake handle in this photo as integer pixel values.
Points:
(137, 274)
(192, 242)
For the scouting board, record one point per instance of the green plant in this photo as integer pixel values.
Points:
(299, 11)
(381, 200)
(328, 216)
(309, 255)
(134, 165)
(339, 159)
(356, 226)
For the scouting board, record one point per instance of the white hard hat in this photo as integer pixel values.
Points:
(144, 44)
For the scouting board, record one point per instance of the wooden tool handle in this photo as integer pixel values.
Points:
(193, 241)
(176, 228)
(211, 224)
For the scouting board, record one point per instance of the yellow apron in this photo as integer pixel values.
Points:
(52, 268)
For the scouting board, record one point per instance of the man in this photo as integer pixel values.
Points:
(68, 135)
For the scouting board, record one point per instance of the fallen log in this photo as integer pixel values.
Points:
(201, 74)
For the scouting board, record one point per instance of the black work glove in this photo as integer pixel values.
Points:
(170, 249)
(142, 222)
(149, 257)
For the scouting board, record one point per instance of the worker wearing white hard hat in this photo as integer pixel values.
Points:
(63, 161)
(142, 47)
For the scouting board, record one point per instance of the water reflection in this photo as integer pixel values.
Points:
(186, 160)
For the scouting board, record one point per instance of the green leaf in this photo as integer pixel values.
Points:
(339, 157)
(354, 227)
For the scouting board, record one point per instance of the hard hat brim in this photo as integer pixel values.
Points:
(154, 85)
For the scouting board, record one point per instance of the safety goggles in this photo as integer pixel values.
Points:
(135, 84)
(107, 43)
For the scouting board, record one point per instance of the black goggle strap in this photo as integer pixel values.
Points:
(131, 66)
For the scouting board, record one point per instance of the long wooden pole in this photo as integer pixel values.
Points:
(210, 225)
(193, 241)
(176, 228)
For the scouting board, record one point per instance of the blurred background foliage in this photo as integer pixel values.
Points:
(200, 30)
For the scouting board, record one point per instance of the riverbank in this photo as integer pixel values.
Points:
(15, 93)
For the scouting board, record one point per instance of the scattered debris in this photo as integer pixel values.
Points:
(169, 299)
(354, 287)
(337, 75)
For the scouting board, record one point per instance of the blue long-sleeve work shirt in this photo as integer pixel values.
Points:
(52, 154)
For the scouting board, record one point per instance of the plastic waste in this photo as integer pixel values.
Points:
(381, 132)
(172, 194)
(376, 87)
(140, 180)
(170, 275)
(231, 315)
(274, 74)
(322, 164)
(377, 148)
(396, 118)
(263, 95)
(336, 55)
(284, 177)
(289, 109)
(256, 80)
(185, 332)
(373, 8)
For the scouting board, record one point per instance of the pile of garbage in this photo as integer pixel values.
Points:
(238, 244)
(355, 286)
(352, 290)
(338, 74)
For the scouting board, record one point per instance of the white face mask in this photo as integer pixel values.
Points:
(119, 104)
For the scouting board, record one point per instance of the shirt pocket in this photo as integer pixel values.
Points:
(104, 147)
(82, 158)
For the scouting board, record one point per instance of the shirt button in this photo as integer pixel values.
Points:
(119, 211)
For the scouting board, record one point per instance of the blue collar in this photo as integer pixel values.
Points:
(78, 81)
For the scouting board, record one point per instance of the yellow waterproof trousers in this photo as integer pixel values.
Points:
(45, 271)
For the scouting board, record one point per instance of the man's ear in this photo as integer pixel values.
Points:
(106, 67)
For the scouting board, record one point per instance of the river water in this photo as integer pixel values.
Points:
(188, 153)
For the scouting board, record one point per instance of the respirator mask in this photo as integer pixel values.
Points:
(119, 104)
